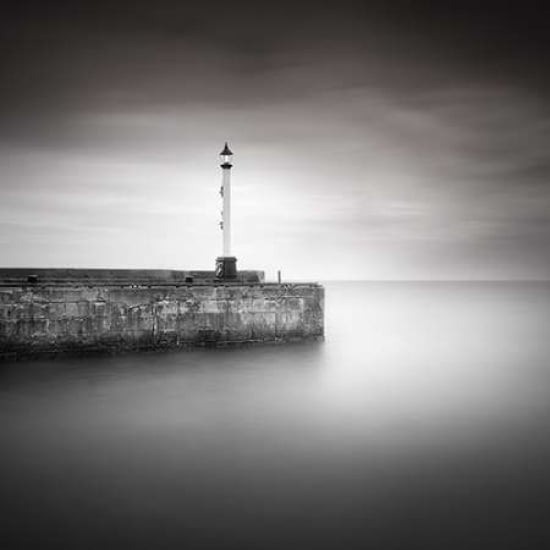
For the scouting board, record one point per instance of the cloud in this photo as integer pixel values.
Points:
(369, 148)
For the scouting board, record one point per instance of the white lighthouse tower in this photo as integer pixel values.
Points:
(226, 264)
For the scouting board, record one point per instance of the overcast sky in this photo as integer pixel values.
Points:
(378, 140)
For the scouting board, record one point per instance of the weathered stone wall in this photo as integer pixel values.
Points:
(39, 318)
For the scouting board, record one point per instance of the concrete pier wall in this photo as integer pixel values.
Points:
(53, 318)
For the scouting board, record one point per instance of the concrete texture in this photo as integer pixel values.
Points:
(38, 318)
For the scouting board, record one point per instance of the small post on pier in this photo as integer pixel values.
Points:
(279, 276)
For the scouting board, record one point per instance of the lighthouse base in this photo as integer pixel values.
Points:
(226, 268)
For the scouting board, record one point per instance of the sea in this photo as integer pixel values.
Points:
(421, 421)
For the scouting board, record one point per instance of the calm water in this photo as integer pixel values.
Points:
(422, 421)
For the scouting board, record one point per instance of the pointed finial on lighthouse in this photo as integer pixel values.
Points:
(226, 150)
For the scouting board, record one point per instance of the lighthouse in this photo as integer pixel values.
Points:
(226, 264)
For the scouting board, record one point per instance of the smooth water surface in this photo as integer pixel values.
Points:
(422, 421)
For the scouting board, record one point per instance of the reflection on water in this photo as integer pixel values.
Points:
(422, 420)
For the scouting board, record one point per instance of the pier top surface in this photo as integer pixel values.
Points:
(125, 277)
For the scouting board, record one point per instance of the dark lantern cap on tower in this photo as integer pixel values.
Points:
(226, 150)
